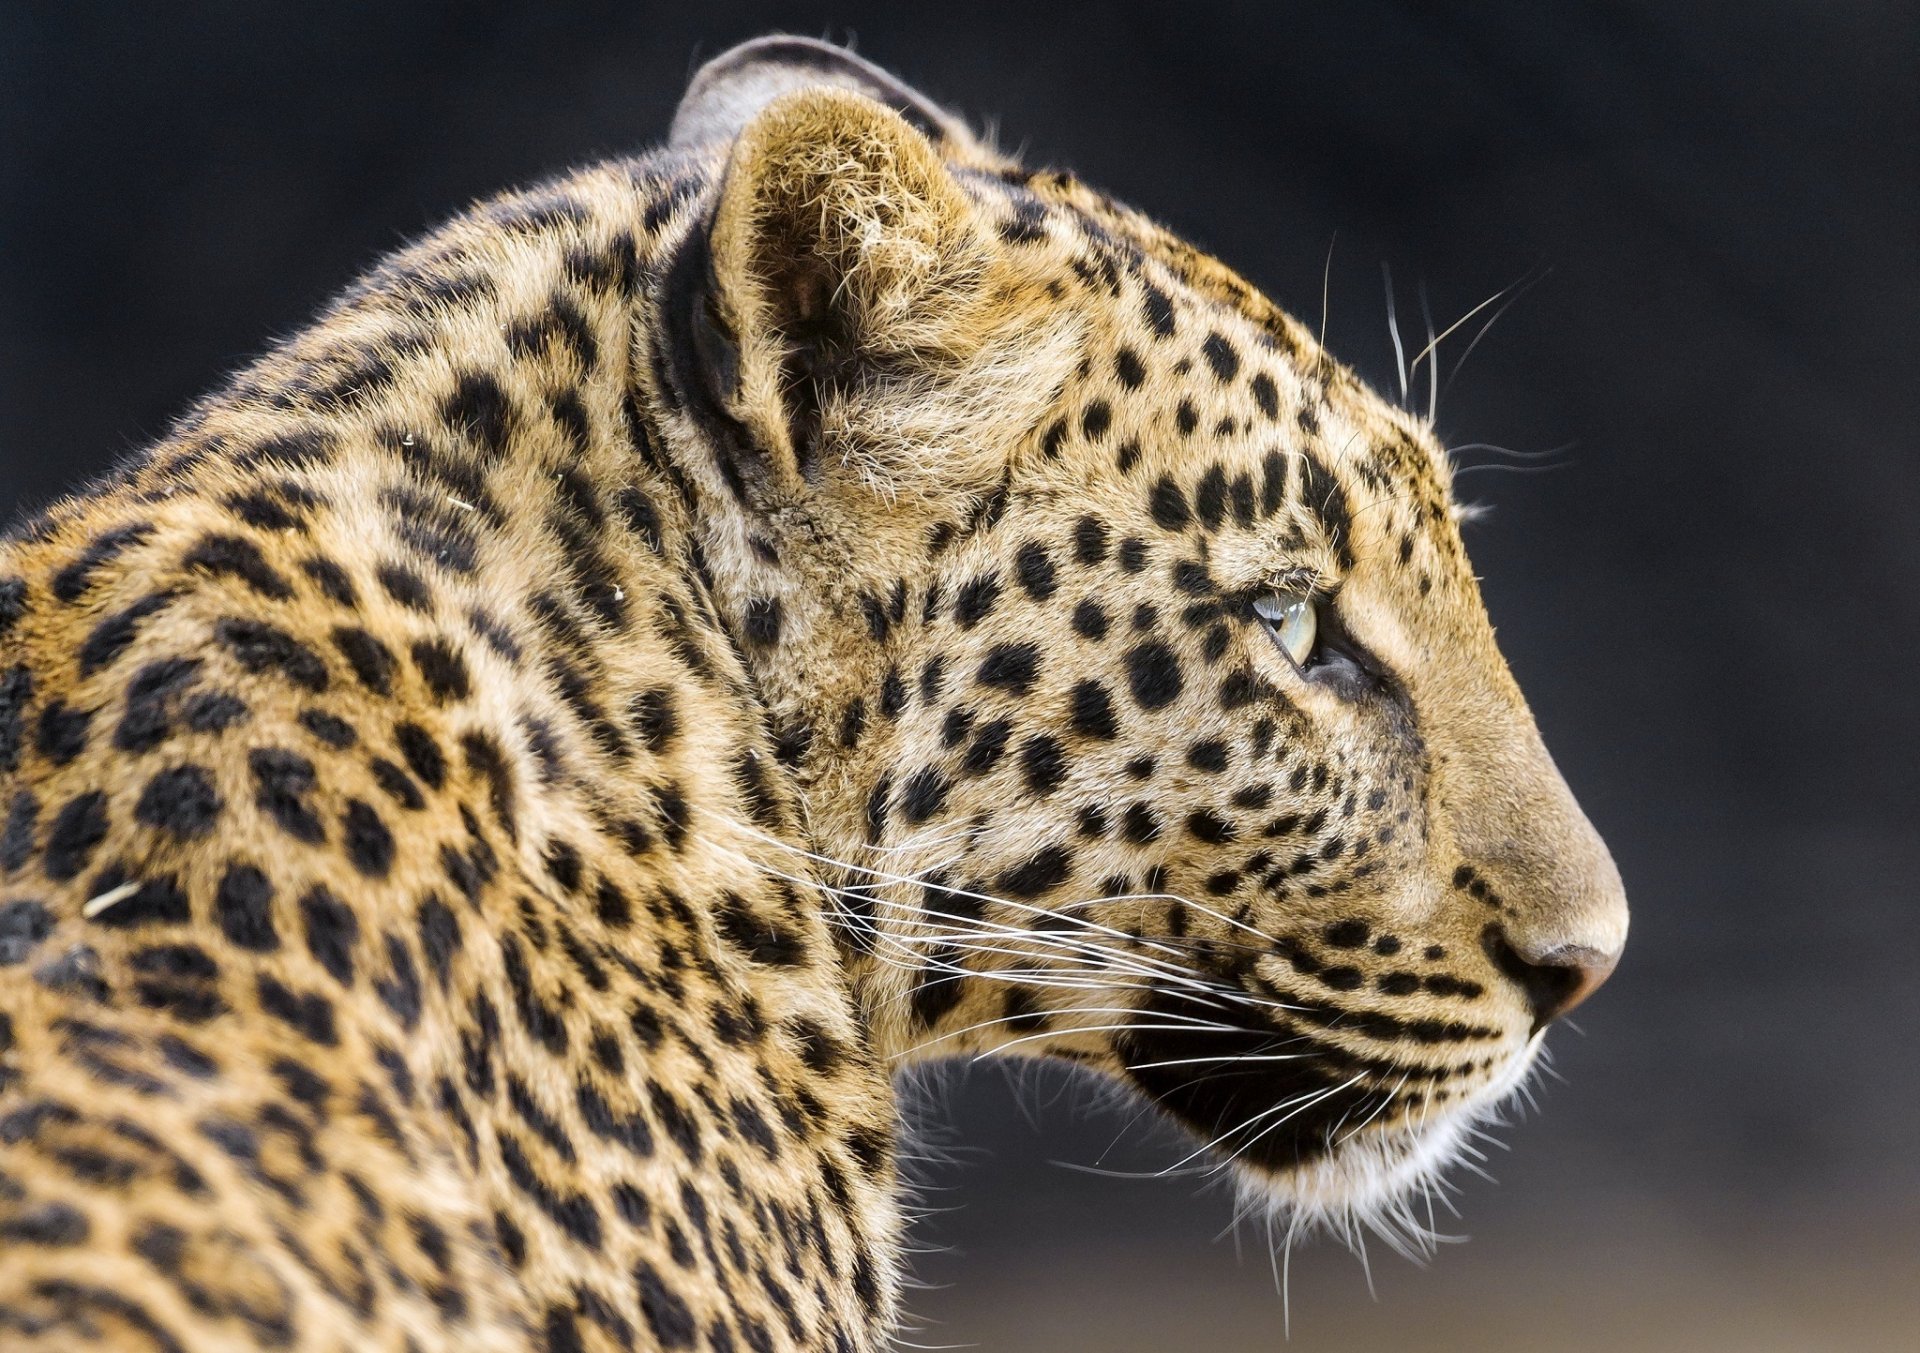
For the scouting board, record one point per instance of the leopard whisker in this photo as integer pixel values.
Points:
(1298, 1106)
(1235, 1059)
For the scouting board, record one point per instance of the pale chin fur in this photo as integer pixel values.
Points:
(1386, 1181)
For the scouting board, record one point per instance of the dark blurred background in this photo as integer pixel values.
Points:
(1712, 598)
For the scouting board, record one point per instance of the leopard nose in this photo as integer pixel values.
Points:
(1554, 980)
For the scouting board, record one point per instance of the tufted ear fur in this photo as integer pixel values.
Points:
(857, 313)
(731, 89)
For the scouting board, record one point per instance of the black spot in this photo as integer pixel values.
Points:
(1321, 494)
(1206, 825)
(1158, 308)
(1096, 420)
(1343, 978)
(283, 780)
(923, 795)
(1153, 674)
(1011, 667)
(543, 1023)
(332, 581)
(308, 1013)
(63, 732)
(144, 724)
(259, 509)
(293, 450)
(1089, 620)
(443, 669)
(13, 604)
(77, 971)
(16, 690)
(1140, 824)
(16, 839)
(439, 937)
(893, 694)
(643, 519)
(335, 732)
(1027, 225)
(763, 621)
(955, 726)
(1043, 764)
(212, 712)
(939, 988)
(23, 924)
(877, 800)
(682, 1127)
(1265, 395)
(243, 905)
(1221, 357)
(1346, 934)
(1033, 567)
(1045, 870)
(878, 623)
(666, 1313)
(654, 718)
(369, 844)
(1210, 755)
(1089, 541)
(422, 753)
(480, 409)
(1240, 499)
(406, 587)
(183, 1056)
(71, 583)
(975, 600)
(332, 931)
(1133, 554)
(1127, 367)
(674, 814)
(259, 647)
(1169, 504)
(237, 557)
(1210, 497)
(1273, 484)
(54, 1225)
(1092, 711)
(989, 743)
(179, 801)
(77, 828)
(933, 678)
(573, 1213)
(157, 901)
(109, 639)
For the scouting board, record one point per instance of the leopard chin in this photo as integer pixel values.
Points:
(1317, 1146)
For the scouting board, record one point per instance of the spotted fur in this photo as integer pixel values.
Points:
(490, 795)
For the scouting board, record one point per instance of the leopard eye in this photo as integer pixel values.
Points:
(1294, 623)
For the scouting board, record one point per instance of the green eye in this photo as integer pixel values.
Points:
(1294, 623)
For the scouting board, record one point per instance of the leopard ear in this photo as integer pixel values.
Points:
(730, 90)
(848, 310)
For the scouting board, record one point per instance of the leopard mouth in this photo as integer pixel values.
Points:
(1319, 1127)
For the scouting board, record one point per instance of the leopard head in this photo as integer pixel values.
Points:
(1122, 645)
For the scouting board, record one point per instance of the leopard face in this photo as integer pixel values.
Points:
(1128, 655)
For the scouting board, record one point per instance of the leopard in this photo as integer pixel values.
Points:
(496, 794)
